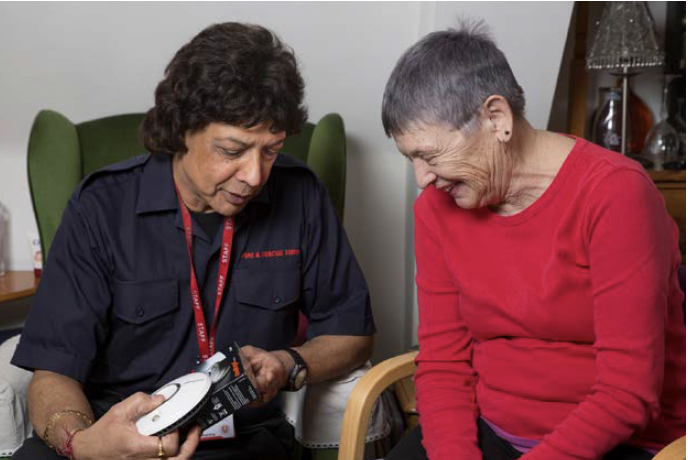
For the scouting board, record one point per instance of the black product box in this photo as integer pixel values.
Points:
(231, 390)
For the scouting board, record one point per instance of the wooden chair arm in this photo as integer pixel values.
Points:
(361, 399)
(674, 451)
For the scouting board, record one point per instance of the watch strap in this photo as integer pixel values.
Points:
(299, 365)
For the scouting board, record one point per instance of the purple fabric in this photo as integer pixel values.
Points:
(520, 444)
(524, 445)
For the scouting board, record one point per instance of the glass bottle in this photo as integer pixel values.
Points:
(606, 128)
(663, 142)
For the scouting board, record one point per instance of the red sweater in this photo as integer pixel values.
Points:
(562, 323)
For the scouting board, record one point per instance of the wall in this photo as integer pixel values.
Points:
(89, 60)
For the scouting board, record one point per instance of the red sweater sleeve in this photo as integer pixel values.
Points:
(630, 260)
(445, 381)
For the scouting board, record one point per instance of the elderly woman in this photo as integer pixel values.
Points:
(550, 309)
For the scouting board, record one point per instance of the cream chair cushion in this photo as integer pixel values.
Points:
(317, 410)
(14, 415)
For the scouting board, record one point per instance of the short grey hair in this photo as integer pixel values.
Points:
(446, 77)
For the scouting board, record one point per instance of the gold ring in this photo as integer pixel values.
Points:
(161, 450)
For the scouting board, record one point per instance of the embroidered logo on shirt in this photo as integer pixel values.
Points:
(271, 254)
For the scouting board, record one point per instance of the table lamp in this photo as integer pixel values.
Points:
(624, 42)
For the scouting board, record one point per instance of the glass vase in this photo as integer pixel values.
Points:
(663, 143)
(606, 127)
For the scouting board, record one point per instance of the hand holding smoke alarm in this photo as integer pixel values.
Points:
(220, 386)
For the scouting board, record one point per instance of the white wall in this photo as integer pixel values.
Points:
(89, 60)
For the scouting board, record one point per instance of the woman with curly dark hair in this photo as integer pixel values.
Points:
(161, 260)
(231, 80)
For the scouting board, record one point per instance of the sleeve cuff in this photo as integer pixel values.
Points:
(341, 325)
(31, 358)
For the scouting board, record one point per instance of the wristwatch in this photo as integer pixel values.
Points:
(299, 374)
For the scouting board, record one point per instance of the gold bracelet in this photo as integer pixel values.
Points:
(56, 416)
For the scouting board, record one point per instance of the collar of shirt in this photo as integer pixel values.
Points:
(156, 193)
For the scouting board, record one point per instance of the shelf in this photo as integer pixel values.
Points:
(668, 176)
(17, 285)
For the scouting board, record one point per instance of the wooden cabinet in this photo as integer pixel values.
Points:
(672, 184)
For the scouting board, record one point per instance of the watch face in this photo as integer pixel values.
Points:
(300, 378)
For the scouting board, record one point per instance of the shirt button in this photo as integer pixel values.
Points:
(140, 312)
(277, 299)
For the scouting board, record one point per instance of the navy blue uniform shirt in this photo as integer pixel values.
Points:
(113, 309)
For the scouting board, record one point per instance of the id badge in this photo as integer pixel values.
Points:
(224, 429)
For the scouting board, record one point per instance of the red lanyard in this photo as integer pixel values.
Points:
(206, 344)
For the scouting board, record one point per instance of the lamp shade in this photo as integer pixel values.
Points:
(625, 39)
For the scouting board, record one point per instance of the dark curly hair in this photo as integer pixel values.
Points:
(239, 74)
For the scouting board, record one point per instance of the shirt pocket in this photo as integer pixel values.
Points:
(267, 307)
(139, 302)
(268, 289)
(144, 323)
